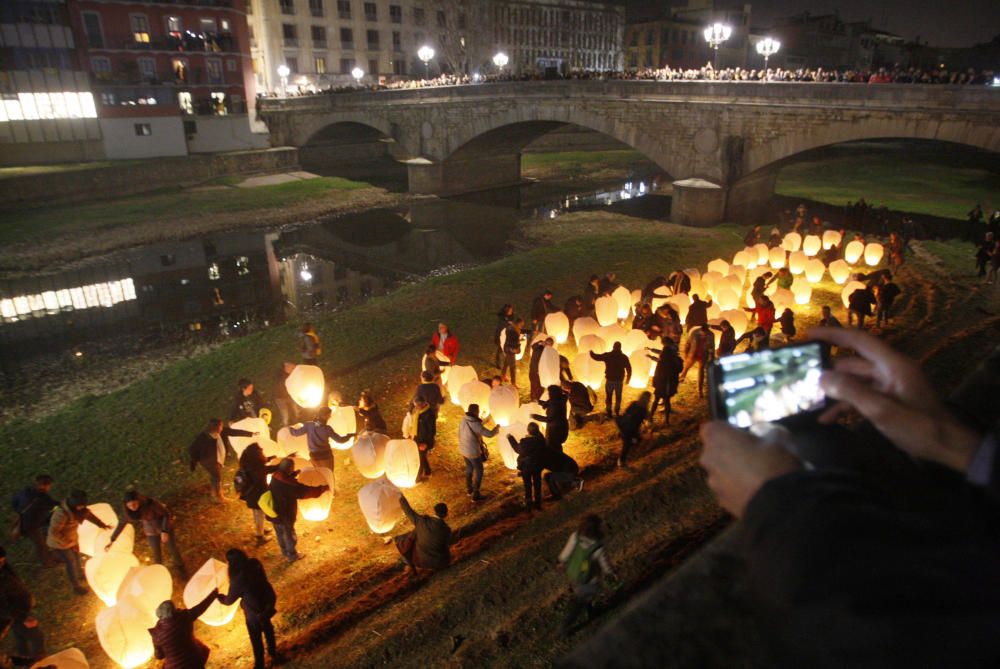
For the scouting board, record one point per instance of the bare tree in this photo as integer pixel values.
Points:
(463, 34)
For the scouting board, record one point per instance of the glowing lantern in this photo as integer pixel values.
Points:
(873, 254)
(105, 574)
(797, 262)
(316, 508)
(681, 303)
(783, 299)
(213, 574)
(853, 252)
(815, 270)
(93, 539)
(368, 454)
(831, 238)
(590, 372)
(845, 295)
(811, 245)
(763, 253)
(557, 326)
(379, 502)
(71, 658)
(719, 266)
(738, 319)
(840, 271)
(641, 366)
(611, 334)
(458, 377)
(792, 242)
(123, 631)
(593, 343)
(709, 281)
(747, 258)
(748, 299)
(698, 287)
(402, 462)
(146, 587)
(584, 326)
(776, 257)
(623, 298)
(344, 421)
(503, 403)
(258, 425)
(636, 296)
(526, 411)
(606, 309)
(713, 310)
(634, 340)
(519, 431)
(306, 386)
(693, 273)
(548, 367)
(476, 392)
(727, 299)
(289, 443)
(801, 290)
(503, 343)
(737, 273)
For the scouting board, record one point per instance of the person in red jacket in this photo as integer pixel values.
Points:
(444, 341)
(763, 311)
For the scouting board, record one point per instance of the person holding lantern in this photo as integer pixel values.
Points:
(254, 468)
(16, 603)
(247, 403)
(428, 545)
(370, 413)
(504, 317)
(63, 538)
(471, 432)
(444, 341)
(208, 449)
(157, 524)
(423, 421)
(556, 424)
(432, 364)
(287, 408)
(33, 506)
(700, 350)
(319, 434)
(286, 491)
(763, 313)
(541, 307)
(511, 349)
(666, 376)
(248, 583)
(727, 338)
(697, 313)
(428, 391)
(530, 455)
(617, 372)
(174, 641)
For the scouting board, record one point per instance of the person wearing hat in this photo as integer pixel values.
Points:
(249, 585)
(174, 641)
(63, 538)
(286, 492)
(157, 525)
(471, 432)
(16, 602)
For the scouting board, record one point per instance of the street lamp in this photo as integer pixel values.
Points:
(716, 34)
(426, 54)
(500, 60)
(283, 72)
(767, 47)
(357, 73)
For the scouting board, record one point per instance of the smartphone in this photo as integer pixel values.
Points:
(772, 385)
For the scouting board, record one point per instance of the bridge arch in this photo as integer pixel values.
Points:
(355, 149)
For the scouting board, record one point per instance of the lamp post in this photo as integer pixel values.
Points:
(716, 34)
(283, 72)
(357, 73)
(426, 54)
(500, 60)
(767, 47)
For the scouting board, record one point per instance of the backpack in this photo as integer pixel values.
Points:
(580, 566)
(266, 504)
(241, 482)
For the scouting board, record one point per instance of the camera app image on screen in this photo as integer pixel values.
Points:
(769, 385)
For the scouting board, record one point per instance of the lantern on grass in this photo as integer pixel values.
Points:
(213, 574)
(763, 253)
(306, 385)
(811, 245)
(641, 367)
(526, 411)
(593, 343)
(633, 341)
(815, 270)
(719, 266)
(458, 377)
(840, 271)
(611, 334)
(316, 508)
(517, 430)
(727, 299)
(288, 443)
(606, 310)
(475, 392)
(853, 252)
(801, 290)
(738, 319)
(344, 421)
(783, 299)
(402, 462)
(368, 454)
(146, 587)
(590, 372)
(623, 298)
(797, 262)
(873, 254)
(71, 658)
(105, 573)
(776, 257)
(584, 326)
(257, 425)
(557, 326)
(123, 631)
(845, 295)
(93, 540)
(548, 367)
(379, 502)
(503, 403)
(831, 238)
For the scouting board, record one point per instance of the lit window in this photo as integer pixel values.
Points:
(143, 129)
(242, 265)
(140, 28)
(213, 272)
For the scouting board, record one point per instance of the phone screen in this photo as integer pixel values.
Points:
(769, 385)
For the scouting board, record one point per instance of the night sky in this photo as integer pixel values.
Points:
(953, 23)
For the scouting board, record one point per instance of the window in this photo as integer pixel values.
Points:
(231, 65)
(147, 67)
(174, 26)
(442, 20)
(207, 26)
(213, 68)
(320, 64)
(373, 67)
(143, 130)
(287, 6)
(92, 26)
(418, 16)
(372, 39)
(218, 103)
(213, 272)
(224, 25)
(397, 41)
(289, 35)
(180, 68)
(346, 38)
(346, 65)
(242, 265)
(418, 37)
(318, 37)
(316, 7)
(140, 28)
(292, 63)
(399, 66)
(395, 13)
(371, 11)
(186, 104)
(100, 64)
(344, 9)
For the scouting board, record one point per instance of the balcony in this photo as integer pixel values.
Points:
(290, 41)
(319, 43)
(347, 45)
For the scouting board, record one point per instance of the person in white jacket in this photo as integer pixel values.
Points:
(471, 432)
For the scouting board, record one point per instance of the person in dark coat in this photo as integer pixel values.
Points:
(63, 537)
(255, 467)
(174, 641)
(541, 307)
(607, 284)
(573, 308)
(666, 376)
(581, 401)
(209, 450)
(534, 379)
(370, 413)
(428, 545)
(504, 318)
(590, 294)
(787, 323)
(887, 293)
(630, 425)
(433, 364)
(248, 583)
(429, 392)
(33, 506)
(511, 347)
(697, 313)
(156, 523)
(617, 372)
(425, 432)
(288, 410)
(727, 338)
(561, 472)
(286, 492)
(16, 603)
(859, 305)
(556, 424)
(247, 403)
(530, 453)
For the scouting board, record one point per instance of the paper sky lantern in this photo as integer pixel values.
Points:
(458, 377)
(801, 290)
(713, 310)
(830, 239)
(747, 258)
(783, 299)
(588, 371)
(611, 334)
(776, 257)
(593, 343)
(693, 273)
(548, 367)
(710, 281)
(748, 299)
(719, 265)
(737, 272)
(606, 309)
(792, 242)
(213, 574)
(738, 319)
(840, 271)
(123, 631)
(306, 386)
(316, 508)
(71, 658)
(727, 299)
(368, 454)
(635, 339)
(815, 270)
(475, 392)
(681, 303)
(258, 425)
(146, 587)
(873, 254)
(105, 574)
(379, 502)
(290, 444)
(402, 462)
(526, 411)
(93, 539)
(557, 326)
(845, 295)
(504, 402)
(344, 421)
(584, 326)
(636, 296)
(641, 365)
(797, 262)
(623, 298)
(507, 453)
(763, 253)
(853, 252)
(811, 245)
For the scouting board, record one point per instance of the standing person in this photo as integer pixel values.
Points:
(16, 603)
(787, 322)
(697, 313)
(370, 413)
(991, 276)
(888, 291)
(248, 583)
(534, 378)
(895, 251)
(424, 424)
(630, 425)
(319, 434)
(209, 450)
(247, 403)
(63, 539)
(504, 317)
(428, 545)
(33, 506)
(573, 308)
(827, 319)
(530, 452)
(556, 423)
(759, 286)
(288, 410)
(727, 338)
(444, 341)
(174, 641)
(541, 307)
(617, 372)
(511, 348)
(983, 254)
(666, 376)
(586, 563)
(251, 482)
(156, 523)
(429, 392)
(471, 432)
(607, 284)
(859, 305)
(581, 401)
(975, 222)
(286, 491)
(700, 350)
(763, 312)
(590, 294)
(309, 345)
(432, 364)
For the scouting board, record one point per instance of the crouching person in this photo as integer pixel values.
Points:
(563, 473)
(428, 545)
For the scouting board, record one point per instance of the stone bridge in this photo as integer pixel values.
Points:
(723, 142)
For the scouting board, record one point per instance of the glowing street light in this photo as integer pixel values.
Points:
(426, 54)
(358, 74)
(283, 72)
(500, 60)
(767, 47)
(716, 34)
